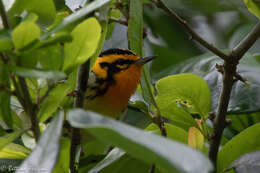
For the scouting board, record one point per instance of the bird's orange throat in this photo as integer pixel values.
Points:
(115, 100)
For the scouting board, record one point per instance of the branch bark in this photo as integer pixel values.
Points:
(193, 35)
(82, 79)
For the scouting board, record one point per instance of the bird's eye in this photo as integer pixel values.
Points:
(104, 64)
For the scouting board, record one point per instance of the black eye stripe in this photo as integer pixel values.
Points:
(123, 61)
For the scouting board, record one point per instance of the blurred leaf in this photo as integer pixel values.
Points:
(103, 19)
(248, 163)
(85, 41)
(55, 97)
(37, 73)
(5, 110)
(14, 151)
(76, 16)
(44, 9)
(245, 142)
(253, 6)
(25, 34)
(44, 156)
(111, 157)
(140, 144)
(243, 99)
(5, 41)
(50, 57)
(173, 132)
(180, 95)
(63, 163)
(8, 138)
(59, 37)
(28, 140)
(196, 138)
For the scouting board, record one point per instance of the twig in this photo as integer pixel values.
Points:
(3, 15)
(81, 87)
(190, 31)
(230, 75)
(243, 46)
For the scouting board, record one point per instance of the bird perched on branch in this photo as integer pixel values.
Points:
(112, 81)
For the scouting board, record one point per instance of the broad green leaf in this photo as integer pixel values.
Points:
(37, 73)
(5, 110)
(45, 9)
(85, 41)
(26, 33)
(180, 95)
(44, 156)
(243, 100)
(168, 155)
(248, 163)
(5, 41)
(14, 151)
(63, 163)
(8, 138)
(253, 6)
(76, 16)
(173, 132)
(245, 142)
(50, 57)
(55, 97)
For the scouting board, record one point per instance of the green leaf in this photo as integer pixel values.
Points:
(45, 154)
(8, 138)
(14, 151)
(243, 100)
(44, 9)
(173, 132)
(135, 27)
(180, 95)
(37, 73)
(85, 41)
(5, 41)
(253, 6)
(59, 37)
(76, 16)
(140, 144)
(55, 97)
(245, 142)
(5, 110)
(63, 163)
(26, 33)
(50, 57)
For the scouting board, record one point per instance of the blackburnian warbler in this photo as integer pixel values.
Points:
(114, 78)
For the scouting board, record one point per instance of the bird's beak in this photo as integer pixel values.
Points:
(144, 60)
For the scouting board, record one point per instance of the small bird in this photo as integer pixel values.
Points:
(112, 81)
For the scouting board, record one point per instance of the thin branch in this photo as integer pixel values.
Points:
(246, 43)
(4, 15)
(190, 31)
(82, 79)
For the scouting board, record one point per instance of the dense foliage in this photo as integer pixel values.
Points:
(168, 125)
